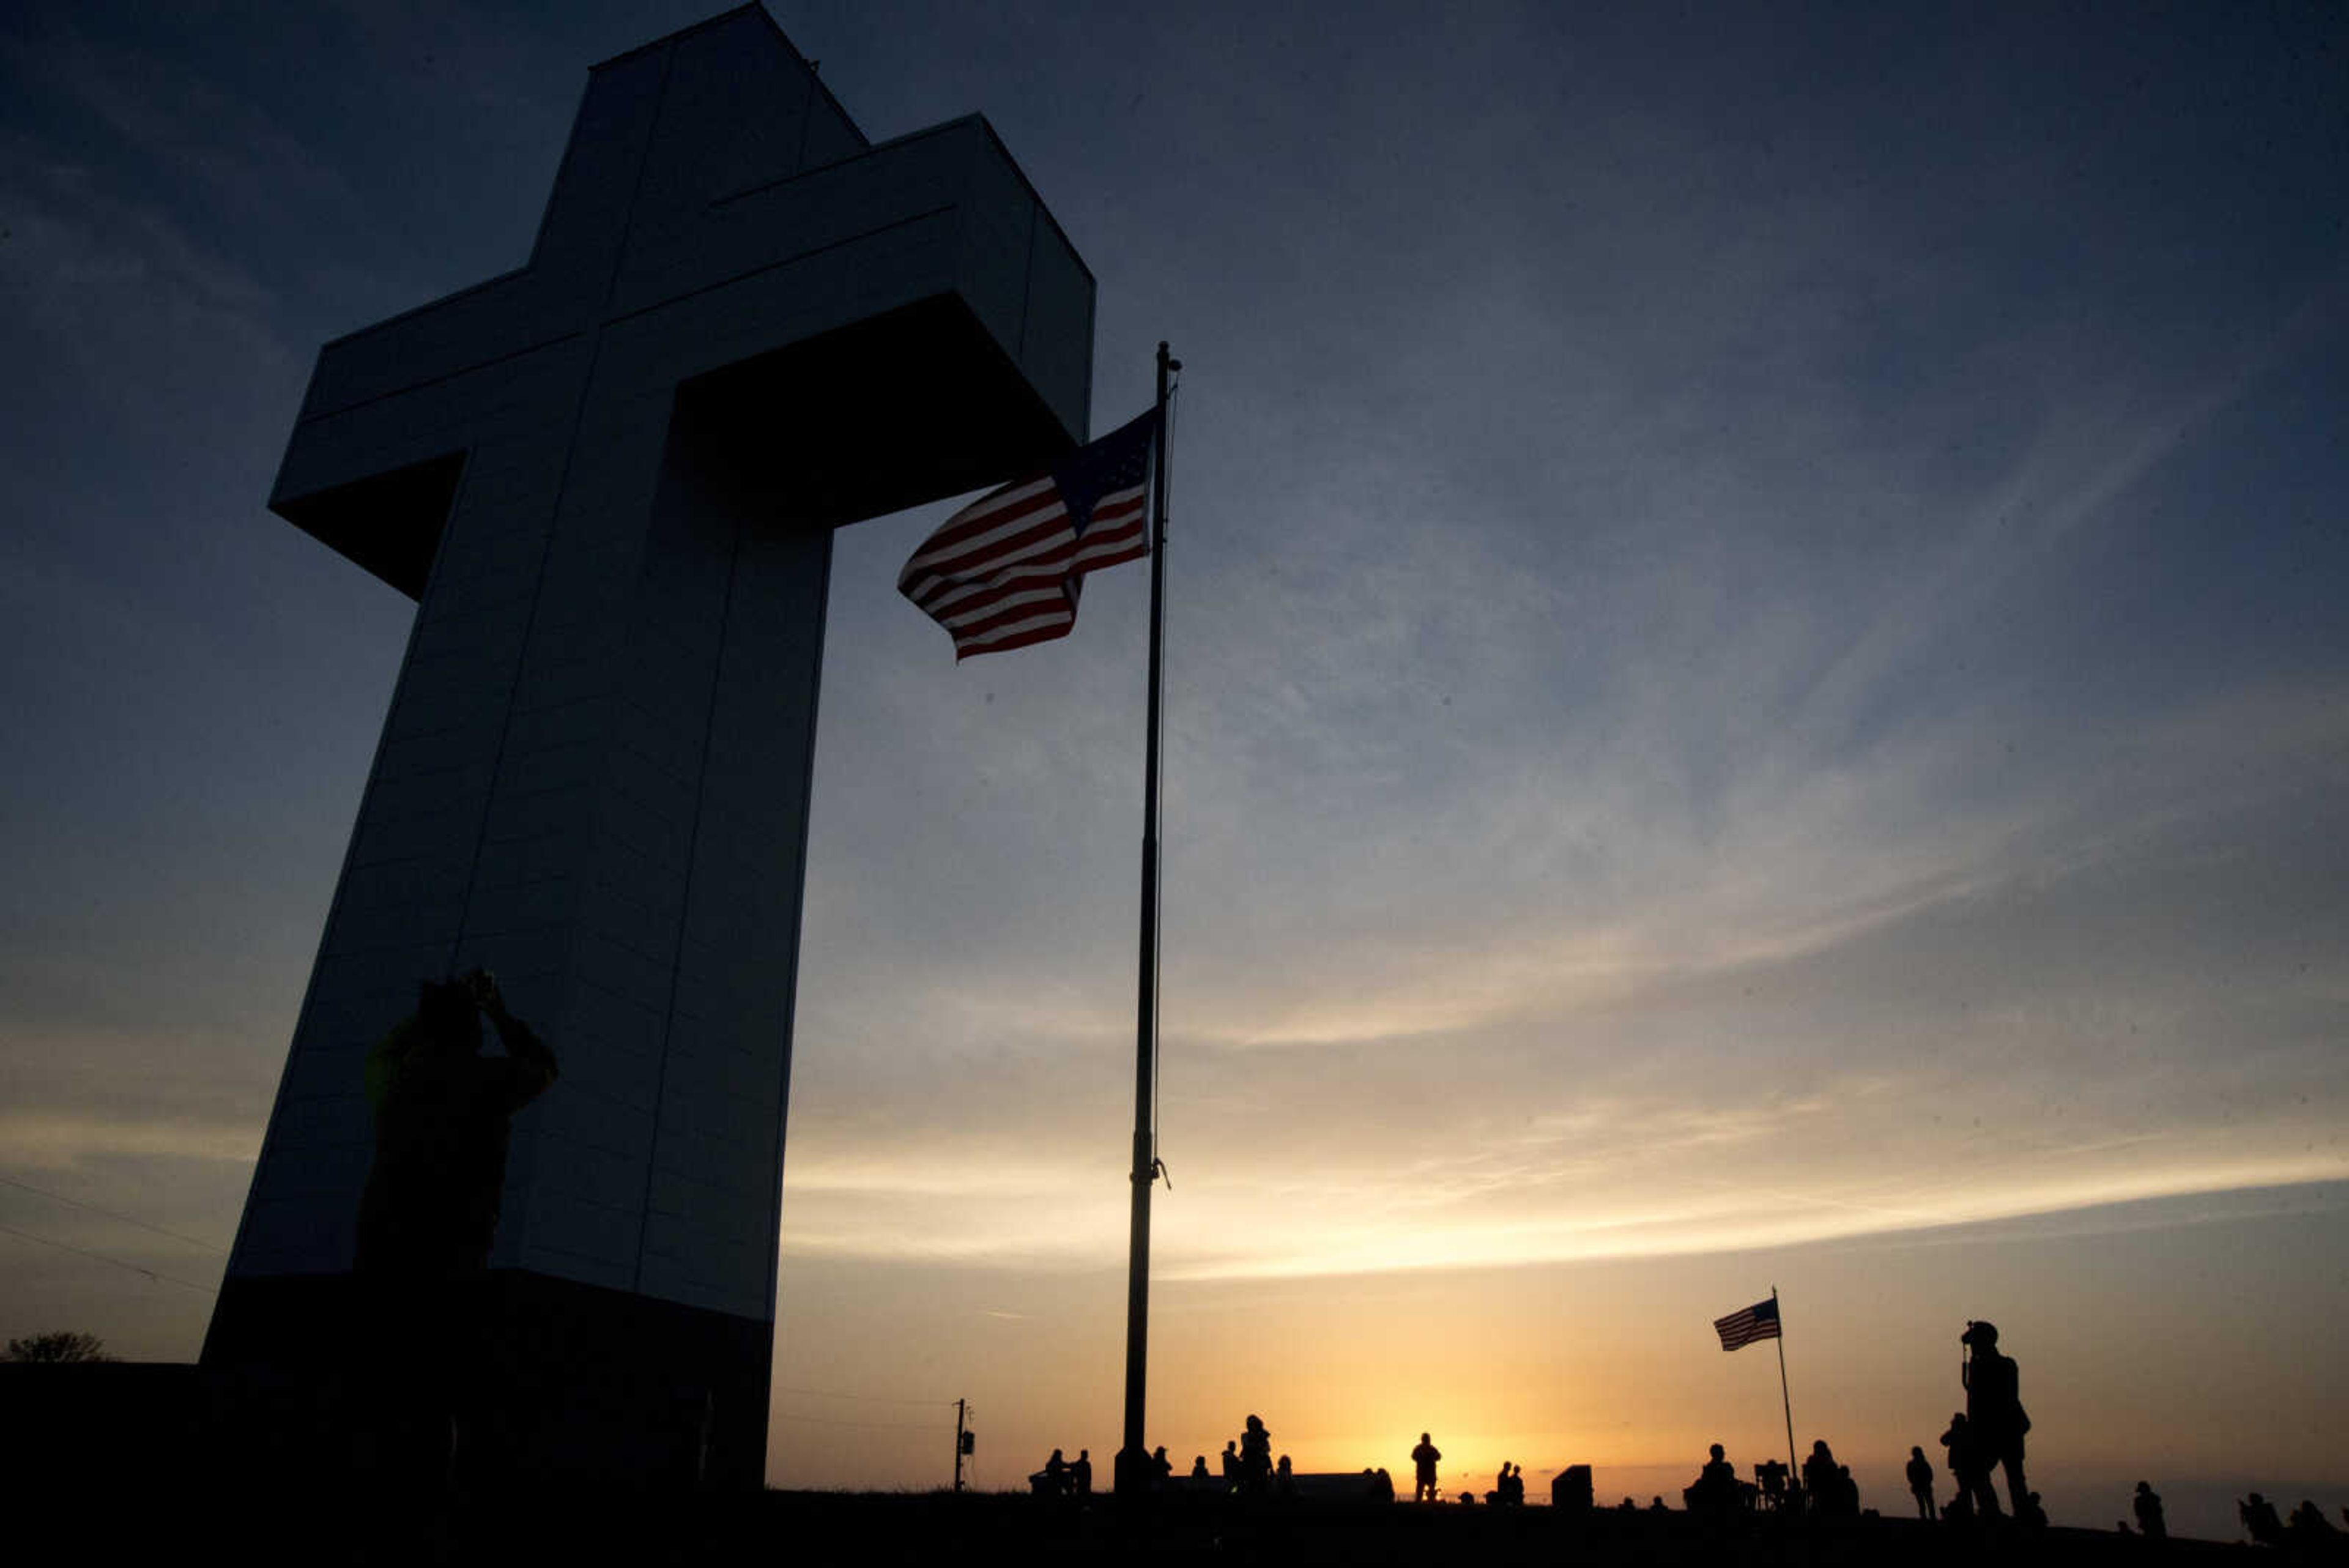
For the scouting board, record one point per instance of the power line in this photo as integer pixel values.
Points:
(211, 1247)
(870, 1425)
(865, 1398)
(118, 1262)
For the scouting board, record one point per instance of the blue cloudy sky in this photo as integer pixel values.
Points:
(1756, 679)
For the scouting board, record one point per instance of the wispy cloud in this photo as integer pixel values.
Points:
(57, 1141)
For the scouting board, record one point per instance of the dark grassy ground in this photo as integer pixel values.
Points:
(140, 1465)
(257, 1518)
(857, 1529)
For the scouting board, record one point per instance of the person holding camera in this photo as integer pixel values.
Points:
(428, 1217)
(441, 1116)
(1994, 1418)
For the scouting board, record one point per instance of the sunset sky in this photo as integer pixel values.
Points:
(1758, 693)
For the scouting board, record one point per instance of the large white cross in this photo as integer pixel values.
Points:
(609, 479)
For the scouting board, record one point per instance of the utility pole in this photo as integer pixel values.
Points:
(962, 1438)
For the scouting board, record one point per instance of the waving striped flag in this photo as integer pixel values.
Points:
(1740, 1329)
(1005, 570)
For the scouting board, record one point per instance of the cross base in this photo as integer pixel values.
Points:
(553, 1383)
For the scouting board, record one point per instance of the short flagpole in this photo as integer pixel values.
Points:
(1794, 1470)
(1133, 1477)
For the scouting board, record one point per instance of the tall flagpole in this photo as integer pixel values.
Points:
(1794, 1470)
(1133, 1477)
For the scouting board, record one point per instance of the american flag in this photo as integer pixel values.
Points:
(1740, 1329)
(1005, 570)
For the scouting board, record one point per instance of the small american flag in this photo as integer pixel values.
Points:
(1740, 1329)
(1005, 570)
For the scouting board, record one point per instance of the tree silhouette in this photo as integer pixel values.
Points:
(61, 1347)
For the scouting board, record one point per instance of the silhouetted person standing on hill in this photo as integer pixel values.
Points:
(1232, 1466)
(1975, 1495)
(2147, 1507)
(1819, 1478)
(1256, 1457)
(2260, 1521)
(2308, 1528)
(1920, 1481)
(1425, 1457)
(1714, 1490)
(1081, 1473)
(1994, 1416)
(429, 1210)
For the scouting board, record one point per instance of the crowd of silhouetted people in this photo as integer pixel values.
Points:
(2307, 1533)
(1247, 1469)
(1065, 1478)
(1982, 1444)
(1982, 1439)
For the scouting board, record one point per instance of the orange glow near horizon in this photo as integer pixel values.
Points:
(1611, 1364)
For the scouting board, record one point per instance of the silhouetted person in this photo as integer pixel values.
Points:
(1200, 1479)
(1423, 1459)
(1081, 1473)
(2308, 1528)
(1284, 1479)
(2260, 1521)
(429, 1210)
(1051, 1481)
(1920, 1482)
(1386, 1485)
(1714, 1490)
(441, 1115)
(1232, 1467)
(1256, 1457)
(1512, 1484)
(1819, 1478)
(1162, 1469)
(1975, 1494)
(1994, 1415)
(2147, 1505)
